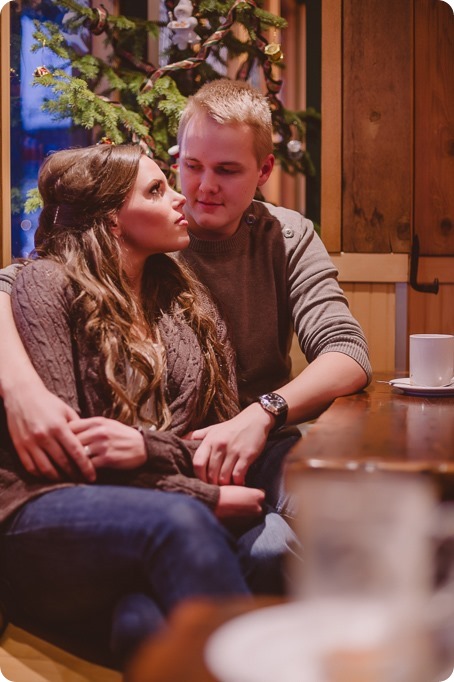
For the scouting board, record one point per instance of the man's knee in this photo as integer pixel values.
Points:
(265, 551)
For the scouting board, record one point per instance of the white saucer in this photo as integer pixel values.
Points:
(405, 386)
(287, 643)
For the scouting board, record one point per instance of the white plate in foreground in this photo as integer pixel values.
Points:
(286, 643)
(405, 386)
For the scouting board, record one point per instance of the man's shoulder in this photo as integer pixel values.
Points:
(40, 266)
(42, 273)
(292, 224)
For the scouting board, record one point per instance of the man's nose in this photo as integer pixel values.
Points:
(208, 182)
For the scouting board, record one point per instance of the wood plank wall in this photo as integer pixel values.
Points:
(434, 150)
(429, 314)
(377, 125)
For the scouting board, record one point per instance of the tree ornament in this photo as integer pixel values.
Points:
(183, 25)
(174, 150)
(98, 23)
(274, 52)
(106, 140)
(295, 149)
(41, 71)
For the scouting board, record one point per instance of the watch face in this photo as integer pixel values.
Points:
(273, 402)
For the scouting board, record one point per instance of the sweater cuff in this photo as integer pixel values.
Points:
(8, 277)
(205, 492)
(355, 351)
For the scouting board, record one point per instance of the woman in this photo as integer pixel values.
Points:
(117, 328)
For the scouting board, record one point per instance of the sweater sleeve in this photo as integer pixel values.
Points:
(169, 467)
(41, 299)
(321, 316)
(8, 276)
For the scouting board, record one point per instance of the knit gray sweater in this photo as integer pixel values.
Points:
(271, 277)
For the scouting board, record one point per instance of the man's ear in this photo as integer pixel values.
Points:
(265, 170)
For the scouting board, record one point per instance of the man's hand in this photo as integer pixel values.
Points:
(109, 443)
(236, 502)
(38, 423)
(228, 449)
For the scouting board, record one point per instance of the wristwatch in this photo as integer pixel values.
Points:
(275, 405)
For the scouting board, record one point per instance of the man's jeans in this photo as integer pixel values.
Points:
(265, 550)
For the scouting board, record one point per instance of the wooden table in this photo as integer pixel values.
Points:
(377, 429)
(178, 654)
(381, 428)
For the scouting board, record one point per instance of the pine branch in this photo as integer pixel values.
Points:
(149, 98)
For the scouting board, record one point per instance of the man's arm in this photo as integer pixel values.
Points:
(331, 340)
(228, 449)
(37, 419)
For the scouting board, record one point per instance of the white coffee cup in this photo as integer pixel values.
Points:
(431, 359)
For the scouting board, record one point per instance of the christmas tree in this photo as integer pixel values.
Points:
(124, 97)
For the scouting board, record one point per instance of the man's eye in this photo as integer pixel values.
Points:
(191, 166)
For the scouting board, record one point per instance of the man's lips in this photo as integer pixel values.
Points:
(209, 204)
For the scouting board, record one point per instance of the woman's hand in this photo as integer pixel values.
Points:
(110, 444)
(236, 502)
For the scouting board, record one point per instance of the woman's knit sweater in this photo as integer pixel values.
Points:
(42, 299)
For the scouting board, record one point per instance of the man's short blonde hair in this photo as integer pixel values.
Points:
(231, 102)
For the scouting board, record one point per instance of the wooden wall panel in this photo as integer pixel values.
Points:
(374, 306)
(331, 155)
(282, 188)
(430, 314)
(293, 189)
(377, 125)
(434, 127)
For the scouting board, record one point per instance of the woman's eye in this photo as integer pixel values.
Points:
(156, 189)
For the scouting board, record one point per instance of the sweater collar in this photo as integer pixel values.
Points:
(233, 243)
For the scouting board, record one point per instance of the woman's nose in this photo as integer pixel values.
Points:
(179, 198)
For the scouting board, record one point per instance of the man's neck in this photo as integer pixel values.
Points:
(214, 235)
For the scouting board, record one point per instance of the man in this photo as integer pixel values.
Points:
(269, 272)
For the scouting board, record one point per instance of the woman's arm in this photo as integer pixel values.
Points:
(162, 460)
(37, 419)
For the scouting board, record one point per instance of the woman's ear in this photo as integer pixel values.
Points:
(115, 227)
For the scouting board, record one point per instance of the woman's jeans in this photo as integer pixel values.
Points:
(91, 553)
(124, 557)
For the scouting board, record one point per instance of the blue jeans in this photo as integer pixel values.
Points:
(266, 547)
(89, 556)
(267, 471)
(120, 559)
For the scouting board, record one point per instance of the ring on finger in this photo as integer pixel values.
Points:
(88, 451)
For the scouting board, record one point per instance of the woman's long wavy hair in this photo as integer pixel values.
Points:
(82, 191)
